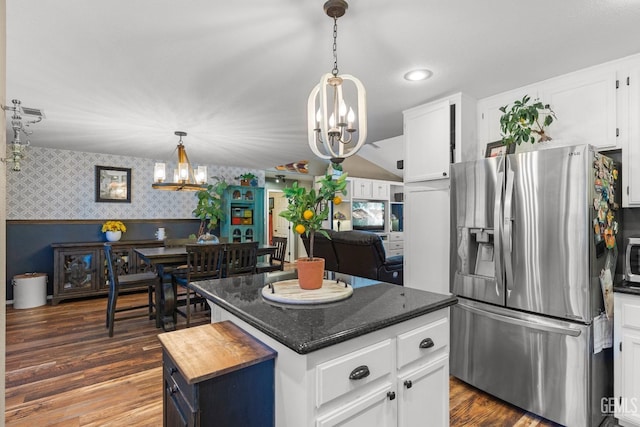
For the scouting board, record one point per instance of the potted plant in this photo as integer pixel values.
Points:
(209, 208)
(247, 179)
(113, 230)
(306, 211)
(523, 119)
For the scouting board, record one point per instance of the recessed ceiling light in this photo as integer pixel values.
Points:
(418, 75)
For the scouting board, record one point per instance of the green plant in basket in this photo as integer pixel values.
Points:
(308, 208)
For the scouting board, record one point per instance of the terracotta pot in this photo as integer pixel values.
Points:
(310, 272)
(244, 182)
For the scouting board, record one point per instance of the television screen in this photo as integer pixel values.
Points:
(368, 215)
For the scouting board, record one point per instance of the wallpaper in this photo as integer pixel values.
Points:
(60, 185)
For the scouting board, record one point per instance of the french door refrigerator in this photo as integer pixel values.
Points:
(530, 235)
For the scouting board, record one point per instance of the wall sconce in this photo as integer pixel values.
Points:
(280, 178)
(17, 147)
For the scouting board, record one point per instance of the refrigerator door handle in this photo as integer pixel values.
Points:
(507, 228)
(497, 209)
(531, 323)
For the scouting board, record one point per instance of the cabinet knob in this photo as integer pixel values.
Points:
(391, 395)
(408, 384)
(444, 174)
(359, 373)
(426, 343)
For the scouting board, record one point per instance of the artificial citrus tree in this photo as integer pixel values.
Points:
(308, 208)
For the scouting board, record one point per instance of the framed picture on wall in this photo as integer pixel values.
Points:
(113, 184)
(497, 148)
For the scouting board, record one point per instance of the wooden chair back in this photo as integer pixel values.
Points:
(204, 261)
(241, 258)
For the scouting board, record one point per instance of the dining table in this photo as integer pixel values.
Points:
(164, 259)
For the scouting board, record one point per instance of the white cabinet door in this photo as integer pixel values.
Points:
(362, 188)
(423, 396)
(426, 237)
(380, 190)
(427, 142)
(585, 106)
(374, 409)
(627, 358)
(631, 170)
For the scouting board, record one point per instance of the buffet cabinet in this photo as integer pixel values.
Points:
(79, 269)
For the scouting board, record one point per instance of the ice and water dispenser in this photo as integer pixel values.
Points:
(476, 254)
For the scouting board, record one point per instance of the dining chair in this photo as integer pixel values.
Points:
(281, 249)
(127, 282)
(204, 261)
(241, 258)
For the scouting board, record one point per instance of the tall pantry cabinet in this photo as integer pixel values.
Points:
(436, 134)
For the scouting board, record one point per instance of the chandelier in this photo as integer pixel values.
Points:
(184, 177)
(17, 147)
(331, 122)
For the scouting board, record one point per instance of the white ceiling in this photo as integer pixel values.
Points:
(120, 76)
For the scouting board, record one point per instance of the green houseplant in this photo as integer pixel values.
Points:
(246, 178)
(524, 120)
(209, 208)
(307, 210)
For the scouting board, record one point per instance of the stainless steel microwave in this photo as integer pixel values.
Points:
(632, 260)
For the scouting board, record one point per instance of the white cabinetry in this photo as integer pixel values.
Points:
(396, 244)
(585, 105)
(437, 134)
(626, 356)
(631, 152)
(426, 240)
(370, 189)
(399, 377)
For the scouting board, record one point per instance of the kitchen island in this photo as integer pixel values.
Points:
(380, 357)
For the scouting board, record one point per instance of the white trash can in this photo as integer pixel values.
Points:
(29, 290)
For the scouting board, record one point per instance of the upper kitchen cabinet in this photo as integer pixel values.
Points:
(585, 106)
(589, 107)
(436, 134)
(631, 149)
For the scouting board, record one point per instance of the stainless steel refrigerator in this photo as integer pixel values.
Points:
(531, 233)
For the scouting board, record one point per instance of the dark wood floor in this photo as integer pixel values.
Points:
(62, 369)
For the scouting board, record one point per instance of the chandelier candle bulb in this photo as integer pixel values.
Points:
(159, 174)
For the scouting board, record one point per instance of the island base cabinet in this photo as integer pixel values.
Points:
(421, 401)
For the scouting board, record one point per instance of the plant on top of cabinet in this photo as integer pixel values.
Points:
(209, 209)
(248, 179)
(521, 120)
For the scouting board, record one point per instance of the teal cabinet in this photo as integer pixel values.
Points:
(244, 214)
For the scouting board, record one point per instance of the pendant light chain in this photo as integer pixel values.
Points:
(335, 47)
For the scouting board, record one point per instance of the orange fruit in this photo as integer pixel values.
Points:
(337, 200)
(299, 229)
(308, 214)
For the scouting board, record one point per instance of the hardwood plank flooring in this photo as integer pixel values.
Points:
(62, 369)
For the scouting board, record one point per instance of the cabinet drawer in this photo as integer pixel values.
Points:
(395, 245)
(333, 377)
(631, 314)
(422, 342)
(174, 377)
(394, 252)
(396, 236)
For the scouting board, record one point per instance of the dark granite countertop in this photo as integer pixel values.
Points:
(627, 287)
(308, 328)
